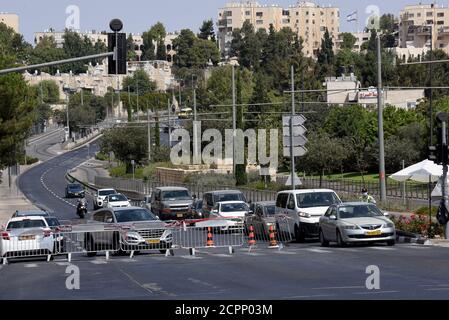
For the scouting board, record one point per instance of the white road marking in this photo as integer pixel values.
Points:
(376, 292)
(30, 265)
(335, 288)
(436, 289)
(318, 250)
(382, 248)
(254, 254)
(285, 252)
(63, 263)
(190, 257)
(98, 262)
(311, 296)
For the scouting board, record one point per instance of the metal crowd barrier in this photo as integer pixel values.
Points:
(272, 232)
(211, 233)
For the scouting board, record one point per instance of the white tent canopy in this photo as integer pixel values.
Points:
(436, 193)
(424, 171)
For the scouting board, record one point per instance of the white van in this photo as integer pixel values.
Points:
(302, 210)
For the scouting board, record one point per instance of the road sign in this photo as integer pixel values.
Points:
(297, 120)
(297, 131)
(298, 141)
(297, 151)
(297, 181)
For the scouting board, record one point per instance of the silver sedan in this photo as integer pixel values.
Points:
(356, 222)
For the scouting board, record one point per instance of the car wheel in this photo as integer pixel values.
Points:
(340, 241)
(299, 236)
(323, 241)
(391, 243)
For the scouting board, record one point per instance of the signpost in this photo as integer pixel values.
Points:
(294, 142)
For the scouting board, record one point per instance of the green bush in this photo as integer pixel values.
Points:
(120, 172)
(425, 211)
(101, 156)
(29, 160)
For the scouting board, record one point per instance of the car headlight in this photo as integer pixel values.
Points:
(304, 214)
(389, 225)
(351, 227)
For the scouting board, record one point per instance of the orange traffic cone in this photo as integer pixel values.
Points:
(273, 242)
(210, 240)
(252, 239)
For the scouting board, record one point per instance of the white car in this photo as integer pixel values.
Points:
(101, 195)
(302, 209)
(234, 212)
(116, 201)
(27, 237)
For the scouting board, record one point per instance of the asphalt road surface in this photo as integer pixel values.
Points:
(299, 271)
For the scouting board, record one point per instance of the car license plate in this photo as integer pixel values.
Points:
(153, 241)
(179, 215)
(374, 233)
(30, 237)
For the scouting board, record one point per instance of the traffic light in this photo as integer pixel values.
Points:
(440, 152)
(121, 53)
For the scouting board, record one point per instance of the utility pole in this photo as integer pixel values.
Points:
(195, 127)
(137, 85)
(149, 133)
(430, 85)
(169, 126)
(234, 119)
(383, 189)
(67, 111)
(82, 97)
(292, 155)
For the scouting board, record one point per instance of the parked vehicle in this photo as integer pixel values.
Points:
(212, 197)
(74, 190)
(356, 222)
(30, 213)
(185, 113)
(145, 230)
(261, 217)
(100, 196)
(27, 237)
(302, 210)
(171, 203)
(116, 201)
(81, 208)
(232, 211)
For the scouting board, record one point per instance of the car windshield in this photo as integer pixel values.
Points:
(106, 192)
(75, 187)
(198, 204)
(316, 199)
(270, 210)
(132, 215)
(117, 197)
(176, 195)
(52, 222)
(24, 224)
(231, 207)
(359, 211)
(229, 197)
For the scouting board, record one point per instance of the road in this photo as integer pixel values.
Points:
(45, 184)
(299, 271)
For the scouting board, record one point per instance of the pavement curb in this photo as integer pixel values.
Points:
(402, 239)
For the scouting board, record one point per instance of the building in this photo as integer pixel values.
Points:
(424, 26)
(347, 89)
(11, 20)
(308, 20)
(102, 36)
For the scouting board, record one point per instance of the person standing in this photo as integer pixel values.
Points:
(366, 197)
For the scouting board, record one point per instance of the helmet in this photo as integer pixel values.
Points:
(364, 190)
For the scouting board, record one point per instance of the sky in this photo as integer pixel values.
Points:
(139, 15)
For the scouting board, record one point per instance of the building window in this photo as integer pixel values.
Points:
(307, 21)
(429, 21)
(285, 12)
(248, 13)
(411, 15)
(259, 21)
(229, 21)
(307, 13)
(440, 14)
(297, 13)
(285, 21)
(440, 23)
(419, 15)
(441, 45)
(429, 14)
(259, 14)
(230, 29)
(322, 29)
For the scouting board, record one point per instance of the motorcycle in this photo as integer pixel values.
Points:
(81, 209)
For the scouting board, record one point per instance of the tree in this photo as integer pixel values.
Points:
(130, 47)
(139, 83)
(325, 153)
(47, 91)
(148, 46)
(12, 43)
(192, 52)
(348, 41)
(207, 31)
(127, 144)
(46, 51)
(326, 56)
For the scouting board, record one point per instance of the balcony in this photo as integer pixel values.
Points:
(422, 31)
(443, 30)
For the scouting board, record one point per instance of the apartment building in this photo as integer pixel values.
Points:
(307, 19)
(11, 20)
(102, 36)
(424, 26)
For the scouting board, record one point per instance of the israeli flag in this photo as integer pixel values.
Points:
(352, 17)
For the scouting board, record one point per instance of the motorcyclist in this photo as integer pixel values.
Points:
(81, 202)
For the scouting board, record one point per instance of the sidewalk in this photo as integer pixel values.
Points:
(11, 199)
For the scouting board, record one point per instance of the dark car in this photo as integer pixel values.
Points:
(196, 209)
(74, 190)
